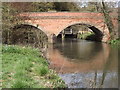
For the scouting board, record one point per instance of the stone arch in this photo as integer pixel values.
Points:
(34, 31)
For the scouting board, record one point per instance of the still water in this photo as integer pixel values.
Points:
(84, 64)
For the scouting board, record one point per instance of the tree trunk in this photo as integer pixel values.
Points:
(108, 20)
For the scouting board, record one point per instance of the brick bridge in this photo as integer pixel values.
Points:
(54, 22)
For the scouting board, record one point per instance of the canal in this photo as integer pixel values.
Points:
(84, 64)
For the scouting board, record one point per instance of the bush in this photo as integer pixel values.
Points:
(115, 42)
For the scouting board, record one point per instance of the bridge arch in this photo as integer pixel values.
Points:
(31, 24)
(98, 31)
(30, 32)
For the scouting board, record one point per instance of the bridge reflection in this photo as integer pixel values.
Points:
(83, 58)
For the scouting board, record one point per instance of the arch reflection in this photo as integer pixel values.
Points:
(77, 56)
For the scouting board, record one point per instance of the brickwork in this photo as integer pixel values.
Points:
(55, 22)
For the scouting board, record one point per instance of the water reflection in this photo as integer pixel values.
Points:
(78, 51)
(84, 64)
(88, 80)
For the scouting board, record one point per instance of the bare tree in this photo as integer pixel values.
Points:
(108, 19)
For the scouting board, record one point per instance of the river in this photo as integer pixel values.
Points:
(84, 64)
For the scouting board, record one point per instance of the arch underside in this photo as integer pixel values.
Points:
(26, 25)
(30, 25)
(93, 27)
(28, 34)
(99, 32)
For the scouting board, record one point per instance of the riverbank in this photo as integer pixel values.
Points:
(24, 67)
(115, 43)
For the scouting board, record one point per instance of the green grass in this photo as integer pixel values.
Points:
(115, 43)
(23, 67)
(85, 35)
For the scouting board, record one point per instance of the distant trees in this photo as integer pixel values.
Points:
(66, 6)
(45, 6)
(9, 19)
(93, 7)
(42, 6)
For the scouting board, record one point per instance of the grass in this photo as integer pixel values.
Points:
(85, 35)
(23, 67)
(115, 43)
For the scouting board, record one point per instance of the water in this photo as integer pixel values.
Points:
(84, 64)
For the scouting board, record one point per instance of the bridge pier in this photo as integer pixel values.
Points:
(63, 35)
(51, 38)
(106, 38)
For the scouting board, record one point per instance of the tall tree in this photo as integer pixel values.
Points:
(108, 20)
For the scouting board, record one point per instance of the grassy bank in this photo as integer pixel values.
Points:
(24, 68)
(115, 42)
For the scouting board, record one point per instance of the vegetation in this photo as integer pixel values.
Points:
(115, 42)
(108, 20)
(23, 67)
(66, 6)
(9, 19)
(85, 35)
